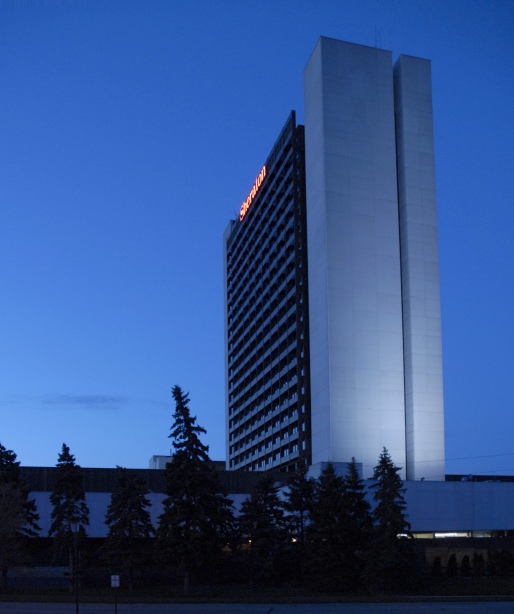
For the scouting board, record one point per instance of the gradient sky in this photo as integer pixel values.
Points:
(130, 132)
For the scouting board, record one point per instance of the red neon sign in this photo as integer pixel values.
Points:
(255, 188)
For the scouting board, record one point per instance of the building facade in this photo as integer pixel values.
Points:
(466, 506)
(266, 319)
(424, 414)
(367, 277)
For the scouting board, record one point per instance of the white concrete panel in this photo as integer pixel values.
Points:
(352, 195)
(97, 503)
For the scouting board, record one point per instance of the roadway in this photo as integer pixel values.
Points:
(326, 608)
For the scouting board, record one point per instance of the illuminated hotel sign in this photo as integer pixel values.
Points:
(253, 192)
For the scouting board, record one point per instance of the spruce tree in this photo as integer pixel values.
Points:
(68, 498)
(390, 561)
(357, 505)
(263, 529)
(298, 503)
(129, 524)
(452, 567)
(197, 516)
(389, 512)
(359, 522)
(465, 566)
(10, 473)
(331, 538)
(478, 564)
(436, 570)
(18, 513)
(70, 514)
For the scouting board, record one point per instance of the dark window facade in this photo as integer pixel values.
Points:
(266, 311)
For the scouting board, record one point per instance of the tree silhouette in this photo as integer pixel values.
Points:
(18, 513)
(68, 498)
(298, 503)
(465, 566)
(436, 567)
(452, 567)
(478, 564)
(263, 528)
(70, 514)
(359, 523)
(390, 563)
(197, 516)
(357, 507)
(340, 524)
(129, 524)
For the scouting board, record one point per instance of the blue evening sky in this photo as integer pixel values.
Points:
(130, 132)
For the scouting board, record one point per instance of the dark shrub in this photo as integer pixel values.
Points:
(451, 567)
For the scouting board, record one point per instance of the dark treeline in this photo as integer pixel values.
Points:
(318, 534)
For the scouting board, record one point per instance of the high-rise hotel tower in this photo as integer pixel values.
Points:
(333, 329)
(266, 323)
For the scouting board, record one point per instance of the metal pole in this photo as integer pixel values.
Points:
(75, 571)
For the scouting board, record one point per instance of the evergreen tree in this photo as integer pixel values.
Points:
(68, 498)
(452, 567)
(18, 513)
(390, 561)
(335, 531)
(436, 567)
(357, 507)
(10, 473)
(298, 502)
(263, 528)
(299, 498)
(500, 563)
(129, 524)
(70, 514)
(465, 566)
(9, 466)
(478, 564)
(359, 523)
(197, 516)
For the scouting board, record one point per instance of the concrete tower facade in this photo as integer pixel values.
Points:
(375, 341)
(424, 416)
(332, 309)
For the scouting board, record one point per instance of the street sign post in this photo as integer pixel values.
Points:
(115, 583)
